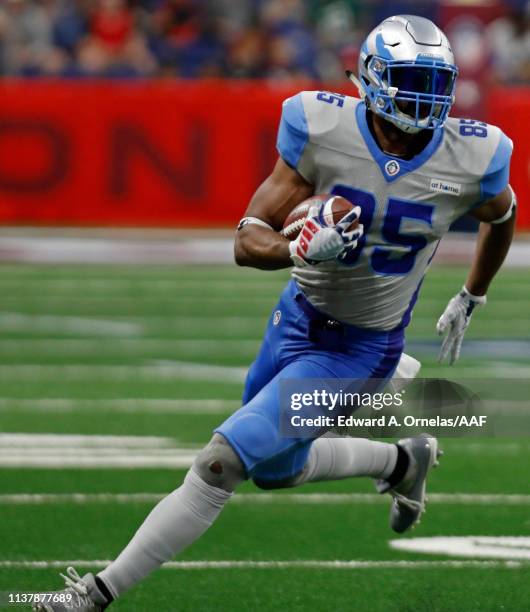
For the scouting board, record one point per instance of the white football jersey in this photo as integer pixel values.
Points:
(407, 205)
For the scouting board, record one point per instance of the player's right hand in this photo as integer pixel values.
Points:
(317, 242)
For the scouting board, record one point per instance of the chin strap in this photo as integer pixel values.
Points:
(356, 82)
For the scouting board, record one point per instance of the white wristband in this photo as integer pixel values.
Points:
(253, 221)
(509, 213)
(479, 299)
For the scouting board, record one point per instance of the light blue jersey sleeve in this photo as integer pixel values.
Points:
(497, 174)
(293, 135)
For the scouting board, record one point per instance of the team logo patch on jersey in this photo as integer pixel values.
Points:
(446, 187)
(392, 167)
(277, 316)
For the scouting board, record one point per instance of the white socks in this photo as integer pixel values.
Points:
(337, 458)
(184, 515)
(177, 521)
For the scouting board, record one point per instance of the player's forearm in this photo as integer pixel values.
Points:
(259, 247)
(492, 247)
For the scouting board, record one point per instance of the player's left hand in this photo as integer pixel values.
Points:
(350, 237)
(455, 320)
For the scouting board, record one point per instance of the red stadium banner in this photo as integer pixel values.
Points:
(145, 154)
(153, 153)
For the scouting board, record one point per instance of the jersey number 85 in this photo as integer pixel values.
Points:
(400, 254)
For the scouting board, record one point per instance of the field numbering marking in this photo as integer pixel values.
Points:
(491, 547)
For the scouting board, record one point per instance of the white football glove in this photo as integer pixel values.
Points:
(456, 318)
(317, 242)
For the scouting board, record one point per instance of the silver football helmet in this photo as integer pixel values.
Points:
(407, 73)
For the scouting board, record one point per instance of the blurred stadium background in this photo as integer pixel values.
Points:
(131, 136)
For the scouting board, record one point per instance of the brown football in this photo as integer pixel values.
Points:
(333, 209)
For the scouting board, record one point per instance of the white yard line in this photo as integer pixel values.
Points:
(100, 453)
(210, 301)
(34, 499)
(172, 369)
(509, 349)
(291, 564)
(78, 441)
(175, 287)
(127, 346)
(472, 499)
(126, 326)
(99, 250)
(60, 451)
(160, 369)
(142, 406)
(371, 498)
(16, 321)
(122, 461)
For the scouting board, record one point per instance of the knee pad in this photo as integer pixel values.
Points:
(254, 435)
(218, 464)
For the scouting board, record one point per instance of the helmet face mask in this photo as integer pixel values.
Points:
(409, 83)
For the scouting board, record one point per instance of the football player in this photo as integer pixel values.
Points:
(412, 171)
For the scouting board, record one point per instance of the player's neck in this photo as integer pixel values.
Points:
(394, 141)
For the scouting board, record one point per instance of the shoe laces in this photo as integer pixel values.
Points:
(411, 504)
(74, 581)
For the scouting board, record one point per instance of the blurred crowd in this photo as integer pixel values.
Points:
(272, 39)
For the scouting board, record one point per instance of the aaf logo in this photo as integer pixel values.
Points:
(392, 167)
(277, 317)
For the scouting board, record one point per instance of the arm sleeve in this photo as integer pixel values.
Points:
(293, 135)
(497, 174)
